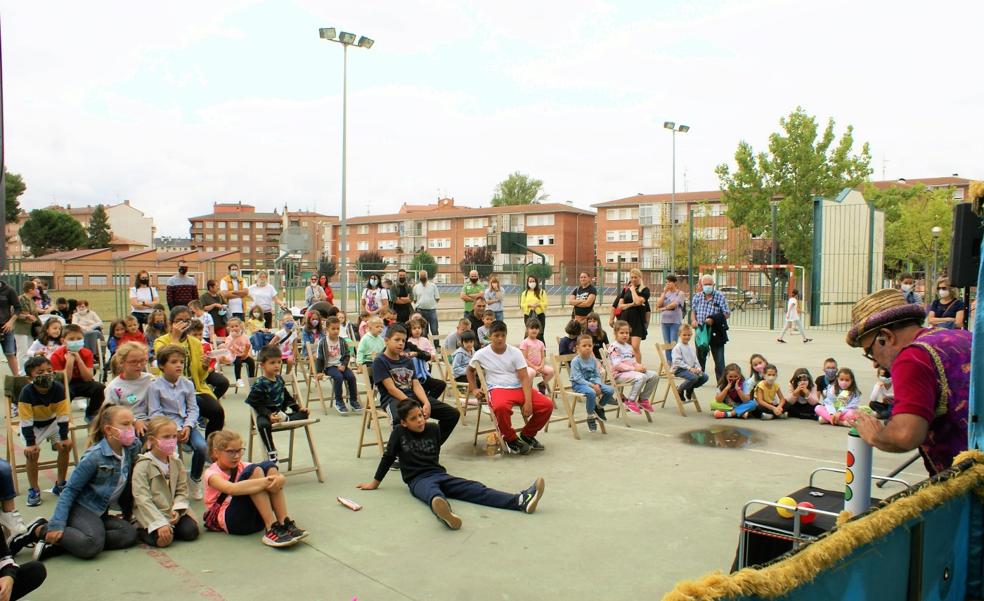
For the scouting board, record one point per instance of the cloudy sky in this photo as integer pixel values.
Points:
(178, 105)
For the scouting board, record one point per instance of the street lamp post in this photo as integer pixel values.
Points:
(673, 127)
(345, 39)
(936, 231)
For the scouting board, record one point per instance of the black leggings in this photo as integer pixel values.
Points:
(186, 529)
(29, 577)
(218, 382)
(237, 366)
(210, 408)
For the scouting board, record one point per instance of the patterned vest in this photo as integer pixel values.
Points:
(949, 351)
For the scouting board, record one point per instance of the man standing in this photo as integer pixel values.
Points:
(471, 291)
(401, 293)
(233, 290)
(426, 295)
(583, 298)
(181, 289)
(9, 309)
(930, 370)
(711, 308)
(907, 284)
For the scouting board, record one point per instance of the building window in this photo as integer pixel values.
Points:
(476, 223)
(234, 237)
(221, 225)
(442, 260)
(541, 240)
(246, 262)
(245, 237)
(539, 220)
(439, 243)
(209, 236)
(220, 237)
(387, 244)
(121, 279)
(622, 235)
(439, 225)
(234, 225)
(625, 256)
(258, 237)
(387, 228)
(304, 223)
(246, 225)
(361, 245)
(98, 280)
(74, 280)
(622, 213)
(362, 229)
(717, 210)
(477, 241)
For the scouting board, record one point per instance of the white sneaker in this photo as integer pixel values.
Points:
(240, 383)
(195, 489)
(12, 523)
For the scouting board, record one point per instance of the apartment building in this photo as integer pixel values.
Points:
(563, 233)
(132, 230)
(959, 185)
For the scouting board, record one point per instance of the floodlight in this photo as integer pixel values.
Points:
(669, 125)
(326, 33)
(346, 37)
(683, 128)
(365, 42)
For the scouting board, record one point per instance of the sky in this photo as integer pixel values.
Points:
(178, 105)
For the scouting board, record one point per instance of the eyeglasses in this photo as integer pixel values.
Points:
(233, 452)
(867, 351)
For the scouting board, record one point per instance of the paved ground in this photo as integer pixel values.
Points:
(624, 515)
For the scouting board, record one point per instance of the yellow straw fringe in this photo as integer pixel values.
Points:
(778, 579)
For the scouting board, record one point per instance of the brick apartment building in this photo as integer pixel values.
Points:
(132, 230)
(563, 233)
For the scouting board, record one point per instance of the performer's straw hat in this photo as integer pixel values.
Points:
(881, 309)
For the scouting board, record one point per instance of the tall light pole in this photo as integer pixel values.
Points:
(936, 231)
(345, 39)
(673, 127)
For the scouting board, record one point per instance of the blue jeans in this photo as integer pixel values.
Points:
(591, 397)
(337, 377)
(499, 315)
(670, 332)
(431, 316)
(199, 452)
(440, 484)
(6, 481)
(691, 380)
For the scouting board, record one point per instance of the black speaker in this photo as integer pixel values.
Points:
(965, 250)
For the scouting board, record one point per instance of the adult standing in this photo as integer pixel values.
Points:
(471, 291)
(143, 297)
(907, 284)
(632, 306)
(947, 311)
(91, 325)
(324, 282)
(670, 305)
(582, 298)
(314, 292)
(533, 303)
(402, 294)
(930, 376)
(709, 307)
(181, 288)
(214, 304)
(27, 315)
(375, 298)
(493, 297)
(427, 295)
(9, 310)
(232, 287)
(264, 296)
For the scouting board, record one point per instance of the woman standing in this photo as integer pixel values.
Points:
(947, 311)
(533, 303)
(326, 285)
(265, 296)
(670, 307)
(493, 297)
(315, 292)
(632, 306)
(143, 297)
(375, 298)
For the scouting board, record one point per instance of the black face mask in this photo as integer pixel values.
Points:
(423, 278)
(144, 281)
(403, 280)
(474, 280)
(182, 270)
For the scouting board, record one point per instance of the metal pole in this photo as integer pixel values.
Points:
(772, 301)
(935, 255)
(673, 209)
(342, 232)
(690, 253)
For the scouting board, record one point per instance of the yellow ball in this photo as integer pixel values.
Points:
(782, 511)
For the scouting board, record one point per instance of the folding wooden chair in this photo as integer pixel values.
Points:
(483, 386)
(619, 387)
(568, 397)
(311, 379)
(291, 427)
(371, 414)
(666, 371)
(290, 374)
(458, 389)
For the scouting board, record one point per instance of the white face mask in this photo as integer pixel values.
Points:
(906, 288)
(945, 293)
(531, 285)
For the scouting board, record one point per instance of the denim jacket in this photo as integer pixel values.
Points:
(92, 483)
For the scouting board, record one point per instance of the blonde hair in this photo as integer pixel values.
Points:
(129, 320)
(220, 439)
(106, 416)
(116, 363)
(685, 327)
(156, 424)
(374, 320)
(235, 321)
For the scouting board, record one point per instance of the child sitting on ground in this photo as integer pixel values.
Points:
(243, 499)
(568, 344)
(270, 400)
(685, 364)
(160, 489)
(417, 445)
(462, 357)
(44, 415)
(483, 332)
(621, 356)
(803, 396)
(771, 403)
(133, 333)
(535, 352)
(586, 379)
(77, 361)
(731, 399)
(239, 346)
(882, 395)
(333, 360)
(828, 377)
(756, 372)
(371, 343)
(840, 400)
(453, 340)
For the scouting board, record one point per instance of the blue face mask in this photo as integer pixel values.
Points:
(74, 346)
(708, 289)
(289, 326)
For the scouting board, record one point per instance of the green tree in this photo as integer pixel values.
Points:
(100, 236)
(518, 189)
(479, 258)
(423, 260)
(327, 267)
(369, 263)
(910, 215)
(47, 231)
(703, 254)
(540, 271)
(15, 187)
(797, 168)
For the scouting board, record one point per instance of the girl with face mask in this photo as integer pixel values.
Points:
(533, 303)
(375, 298)
(947, 311)
(840, 400)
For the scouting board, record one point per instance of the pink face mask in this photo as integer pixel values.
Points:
(844, 384)
(759, 367)
(167, 445)
(126, 435)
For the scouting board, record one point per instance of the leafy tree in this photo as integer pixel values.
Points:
(797, 168)
(100, 236)
(327, 267)
(47, 231)
(540, 271)
(423, 260)
(479, 258)
(369, 263)
(15, 187)
(703, 253)
(910, 214)
(518, 189)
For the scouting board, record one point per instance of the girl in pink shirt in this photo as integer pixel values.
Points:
(535, 352)
(239, 346)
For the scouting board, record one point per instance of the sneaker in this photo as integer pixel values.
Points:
(535, 444)
(272, 456)
(592, 424)
(44, 550)
(58, 487)
(780, 340)
(767, 416)
(13, 523)
(531, 496)
(355, 405)
(518, 446)
(821, 420)
(646, 405)
(396, 465)
(240, 383)
(542, 388)
(600, 413)
(722, 414)
(633, 407)
(294, 530)
(195, 489)
(783, 415)
(278, 536)
(29, 537)
(805, 340)
(33, 497)
(341, 408)
(442, 510)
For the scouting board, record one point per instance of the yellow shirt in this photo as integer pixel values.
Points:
(527, 296)
(767, 392)
(195, 368)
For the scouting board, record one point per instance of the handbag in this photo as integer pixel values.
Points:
(702, 338)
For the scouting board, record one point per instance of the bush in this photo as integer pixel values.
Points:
(540, 271)
(369, 263)
(479, 258)
(423, 261)
(327, 267)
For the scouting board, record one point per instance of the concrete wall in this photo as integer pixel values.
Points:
(128, 222)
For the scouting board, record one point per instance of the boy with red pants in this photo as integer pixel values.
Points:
(509, 385)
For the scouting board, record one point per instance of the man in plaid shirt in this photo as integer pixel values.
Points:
(711, 308)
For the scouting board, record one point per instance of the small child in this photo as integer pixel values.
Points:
(882, 395)
(756, 371)
(333, 360)
(803, 396)
(285, 339)
(840, 400)
(208, 323)
(270, 400)
(243, 499)
(259, 334)
(156, 327)
(417, 340)
(453, 340)
(793, 318)
(483, 332)
(133, 333)
(417, 445)
(117, 330)
(371, 342)
(160, 489)
(238, 345)
(586, 379)
(685, 364)
(313, 330)
(567, 345)
(49, 339)
(363, 325)
(77, 361)
(44, 415)
(769, 398)
(348, 330)
(462, 357)
(731, 399)
(627, 369)
(196, 329)
(173, 396)
(536, 353)
(131, 386)
(418, 336)
(829, 375)
(593, 328)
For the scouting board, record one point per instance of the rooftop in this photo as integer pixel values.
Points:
(642, 199)
(931, 182)
(450, 210)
